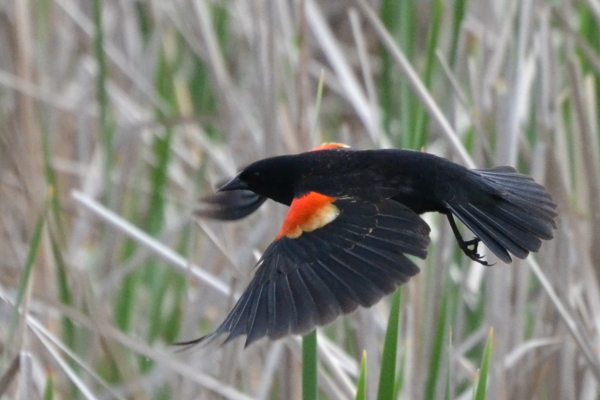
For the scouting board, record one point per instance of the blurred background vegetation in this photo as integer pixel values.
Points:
(116, 116)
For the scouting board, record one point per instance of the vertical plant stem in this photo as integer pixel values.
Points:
(361, 386)
(316, 136)
(387, 377)
(481, 389)
(309, 366)
(105, 126)
(24, 281)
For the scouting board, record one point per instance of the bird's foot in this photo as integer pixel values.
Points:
(469, 247)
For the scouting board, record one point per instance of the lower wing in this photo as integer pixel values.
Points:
(326, 261)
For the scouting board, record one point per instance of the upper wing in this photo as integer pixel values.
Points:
(330, 256)
(229, 206)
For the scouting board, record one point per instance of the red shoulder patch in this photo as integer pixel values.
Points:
(307, 213)
(330, 145)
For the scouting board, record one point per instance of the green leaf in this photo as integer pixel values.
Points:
(419, 139)
(107, 126)
(448, 388)
(309, 366)
(361, 387)
(437, 353)
(459, 14)
(49, 390)
(481, 386)
(387, 376)
(64, 291)
(24, 281)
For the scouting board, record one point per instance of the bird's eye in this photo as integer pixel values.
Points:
(256, 173)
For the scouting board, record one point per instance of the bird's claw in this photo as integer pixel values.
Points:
(470, 249)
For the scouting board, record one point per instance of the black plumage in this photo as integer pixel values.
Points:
(354, 220)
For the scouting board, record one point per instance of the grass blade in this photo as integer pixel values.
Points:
(387, 376)
(422, 119)
(481, 389)
(361, 387)
(49, 390)
(309, 366)
(34, 245)
(106, 126)
(437, 353)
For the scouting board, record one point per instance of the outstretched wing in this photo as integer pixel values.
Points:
(330, 256)
(229, 206)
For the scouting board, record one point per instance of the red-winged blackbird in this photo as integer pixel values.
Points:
(353, 218)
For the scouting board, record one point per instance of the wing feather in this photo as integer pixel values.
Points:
(230, 205)
(306, 318)
(257, 321)
(307, 280)
(329, 306)
(345, 293)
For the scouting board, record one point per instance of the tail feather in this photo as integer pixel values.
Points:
(483, 231)
(520, 188)
(508, 211)
(511, 237)
(525, 219)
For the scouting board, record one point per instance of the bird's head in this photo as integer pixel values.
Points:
(280, 178)
(272, 177)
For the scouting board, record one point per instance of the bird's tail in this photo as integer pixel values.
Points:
(508, 212)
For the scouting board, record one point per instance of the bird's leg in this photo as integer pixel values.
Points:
(469, 247)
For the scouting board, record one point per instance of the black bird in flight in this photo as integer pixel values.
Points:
(354, 218)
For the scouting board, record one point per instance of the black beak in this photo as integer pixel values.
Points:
(234, 184)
